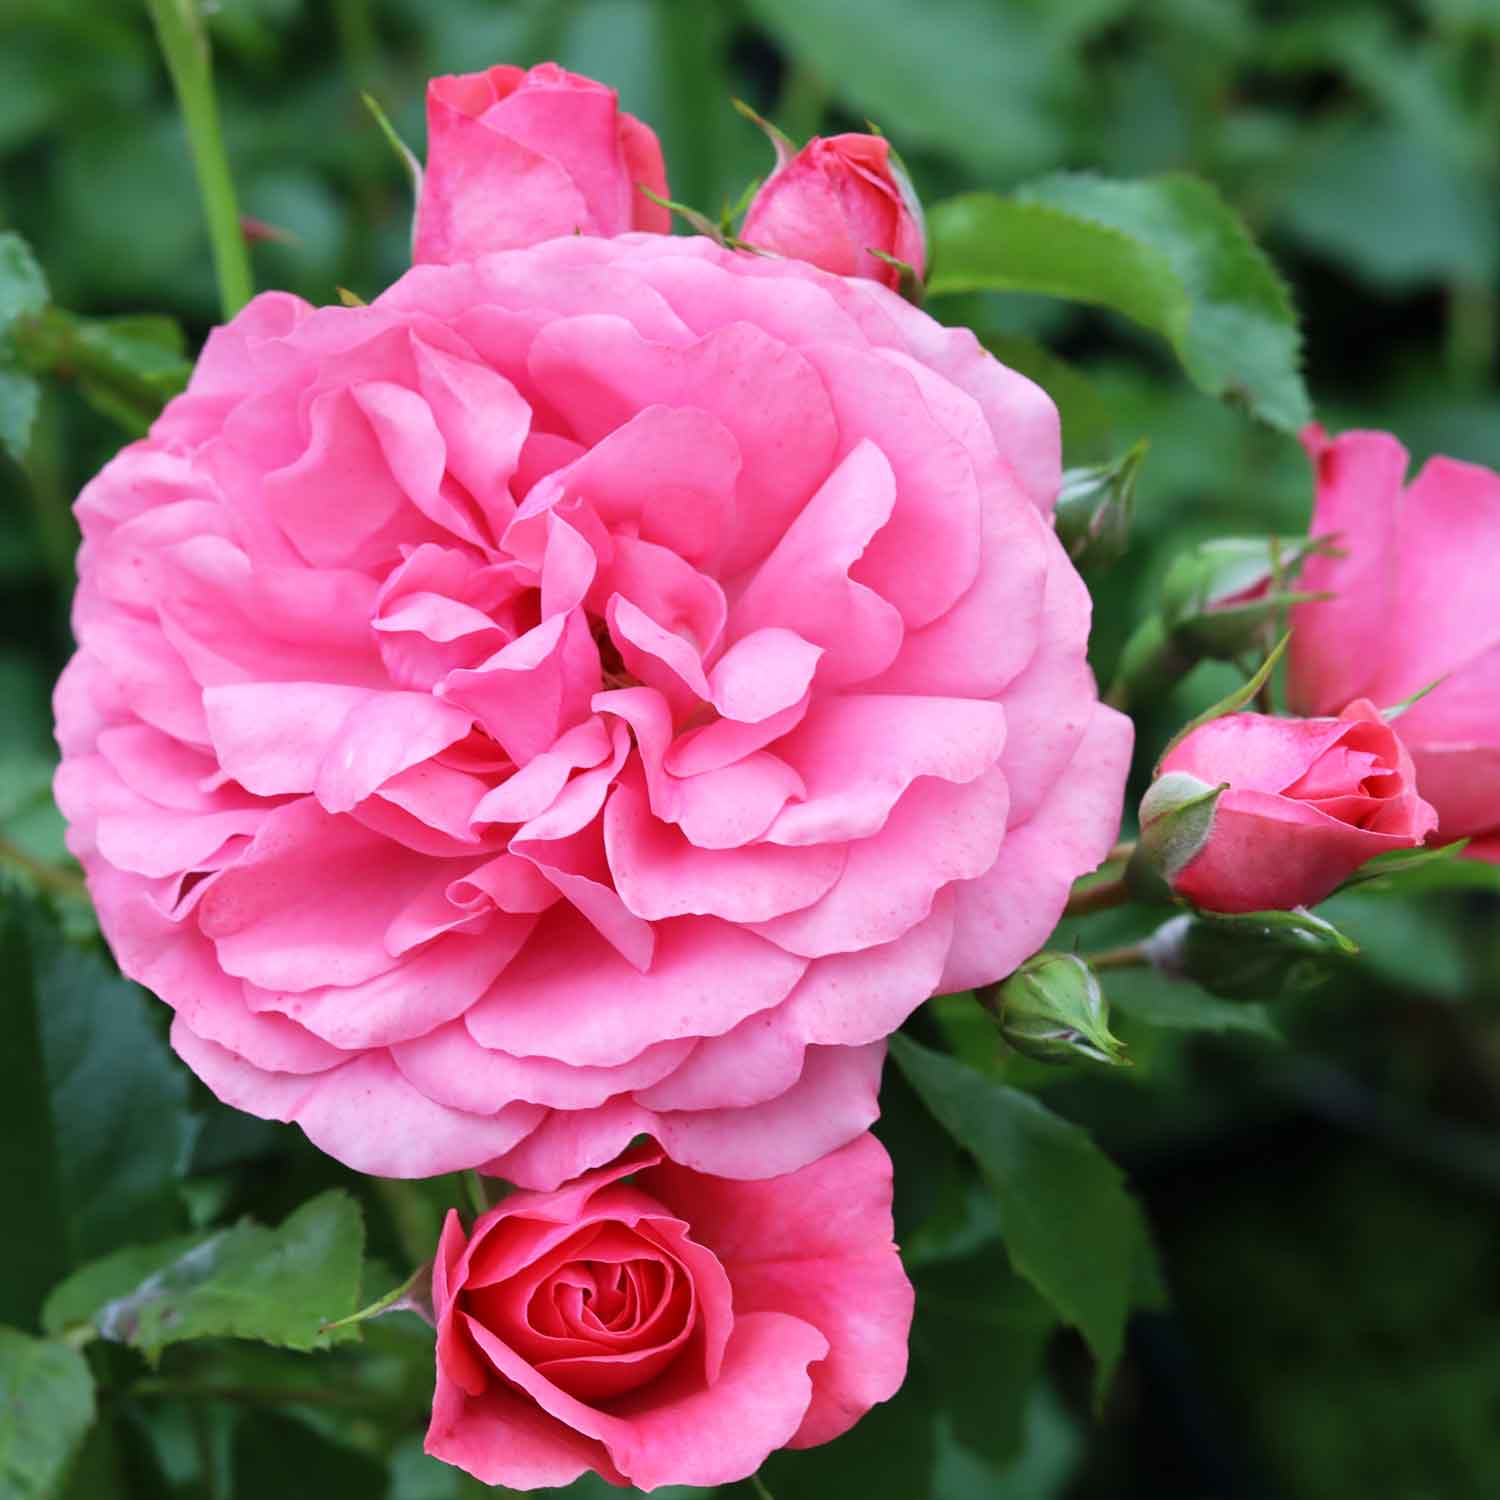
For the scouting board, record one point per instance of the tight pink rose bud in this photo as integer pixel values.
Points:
(1415, 604)
(675, 1328)
(516, 156)
(1306, 801)
(834, 202)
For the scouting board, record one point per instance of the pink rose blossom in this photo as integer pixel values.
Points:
(1416, 604)
(517, 156)
(669, 1329)
(834, 202)
(594, 691)
(1308, 802)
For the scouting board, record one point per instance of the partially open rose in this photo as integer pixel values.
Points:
(841, 202)
(1412, 574)
(1307, 802)
(670, 1329)
(515, 156)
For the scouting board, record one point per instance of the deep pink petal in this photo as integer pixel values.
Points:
(817, 1244)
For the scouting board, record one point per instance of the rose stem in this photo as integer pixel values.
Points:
(1098, 897)
(1131, 956)
(184, 45)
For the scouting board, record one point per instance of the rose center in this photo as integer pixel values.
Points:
(611, 663)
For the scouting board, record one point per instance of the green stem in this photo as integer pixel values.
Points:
(1149, 665)
(1131, 956)
(478, 1195)
(759, 1486)
(184, 45)
(54, 878)
(66, 347)
(1100, 896)
(357, 40)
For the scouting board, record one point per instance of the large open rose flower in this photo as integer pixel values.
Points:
(1412, 573)
(671, 1328)
(595, 690)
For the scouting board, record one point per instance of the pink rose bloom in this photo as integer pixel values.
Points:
(835, 201)
(1416, 601)
(516, 156)
(1308, 802)
(597, 690)
(669, 1329)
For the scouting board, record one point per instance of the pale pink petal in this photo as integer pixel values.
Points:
(449, 1066)
(659, 873)
(570, 996)
(364, 1113)
(598, 371)
(937, 833)
(927, 554)
(431, 988)
(764, 673)
(804, 585)
(309, 902)
(1007, 913)
(857, 754)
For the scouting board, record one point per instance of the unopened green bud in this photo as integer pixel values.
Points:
(1262, 955)
(1094, 510)
(1053, 1010)
(1218, 599)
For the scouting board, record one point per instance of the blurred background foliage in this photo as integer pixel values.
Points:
(1325, 1211)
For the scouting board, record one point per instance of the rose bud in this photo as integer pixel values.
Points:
(1052, 1009)
(516, 156)
(1412, 570)
(1094, 510)
(1267, 955)
(659, 1326)
(834, 203)
(1254, 813)
(1216, 603)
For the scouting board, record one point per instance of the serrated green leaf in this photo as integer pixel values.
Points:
(279, 1286)
(23, 287)
(46, 1406)
(75, 1301)
(1167, 252)
(1069, 1225)
(96, 1128)
(20, 396)
(148, 352)
(983, 242)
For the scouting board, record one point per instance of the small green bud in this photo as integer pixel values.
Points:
(1052, 1009)
(1262, 955)
(1218, 599)
(1094, 510)
(1177, 817)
